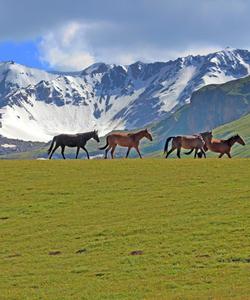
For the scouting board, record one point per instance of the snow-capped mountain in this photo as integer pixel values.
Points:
(35, 105)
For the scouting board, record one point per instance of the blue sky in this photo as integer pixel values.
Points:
(25, 52)
(70, 35)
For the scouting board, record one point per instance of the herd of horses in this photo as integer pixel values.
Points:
(199, 143)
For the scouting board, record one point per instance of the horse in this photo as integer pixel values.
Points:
(78, 140)
(223, 146)
(202, 135)
(187, 142)
(130, 140)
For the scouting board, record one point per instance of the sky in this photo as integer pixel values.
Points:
(71, 35)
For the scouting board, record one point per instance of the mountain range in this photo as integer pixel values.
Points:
(36, 105)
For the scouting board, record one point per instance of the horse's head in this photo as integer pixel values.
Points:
(240, 140)
(95, 136)
(207, 135)
(148, 135)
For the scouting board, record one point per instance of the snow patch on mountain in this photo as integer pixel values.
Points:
(8, 146)
(169, 97)
(33, 119)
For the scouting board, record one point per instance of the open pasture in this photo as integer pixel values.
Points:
(125, 229)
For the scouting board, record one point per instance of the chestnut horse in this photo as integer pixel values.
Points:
(187, 142)
(130, 140)
(223, 146)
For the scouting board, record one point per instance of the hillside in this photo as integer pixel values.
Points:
(209, 107)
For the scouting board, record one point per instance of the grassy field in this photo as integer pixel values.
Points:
(69, 229)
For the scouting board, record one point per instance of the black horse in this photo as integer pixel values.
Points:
(78, 140)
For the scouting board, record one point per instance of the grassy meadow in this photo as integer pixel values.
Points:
(125, 229)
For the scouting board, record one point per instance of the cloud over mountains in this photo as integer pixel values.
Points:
(75, 34)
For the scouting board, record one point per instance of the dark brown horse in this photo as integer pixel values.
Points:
(130, 140)
(78, 140)
(203, 135)
(223, 146)
(187, 142)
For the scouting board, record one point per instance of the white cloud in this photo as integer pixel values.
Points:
(151, 54)
(66, 49)
(73, 48)
(194, 50)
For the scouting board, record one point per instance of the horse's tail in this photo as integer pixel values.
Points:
(104, 147)
(52, 144)
(166, 144)
(189, 152)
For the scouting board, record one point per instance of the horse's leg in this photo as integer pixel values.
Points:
(63, 147)
(203, 152)
(106, 152)
(138, 151)
(52, 152)
(112, 151)
(195, 152)
(128, 152)
(77, 152)
(179, 152)
(86, 151)
(220, 156)
(170, 151)
(229, 155)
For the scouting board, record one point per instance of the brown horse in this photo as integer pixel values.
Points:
(223, 146)
(130, 140)
(187, 142)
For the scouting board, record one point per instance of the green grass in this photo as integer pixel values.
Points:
(190, 218)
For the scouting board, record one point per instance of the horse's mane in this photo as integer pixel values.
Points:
(88, 132)
(232, 138)
(134, 133)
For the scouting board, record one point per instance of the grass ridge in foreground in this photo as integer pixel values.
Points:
(68, 229)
